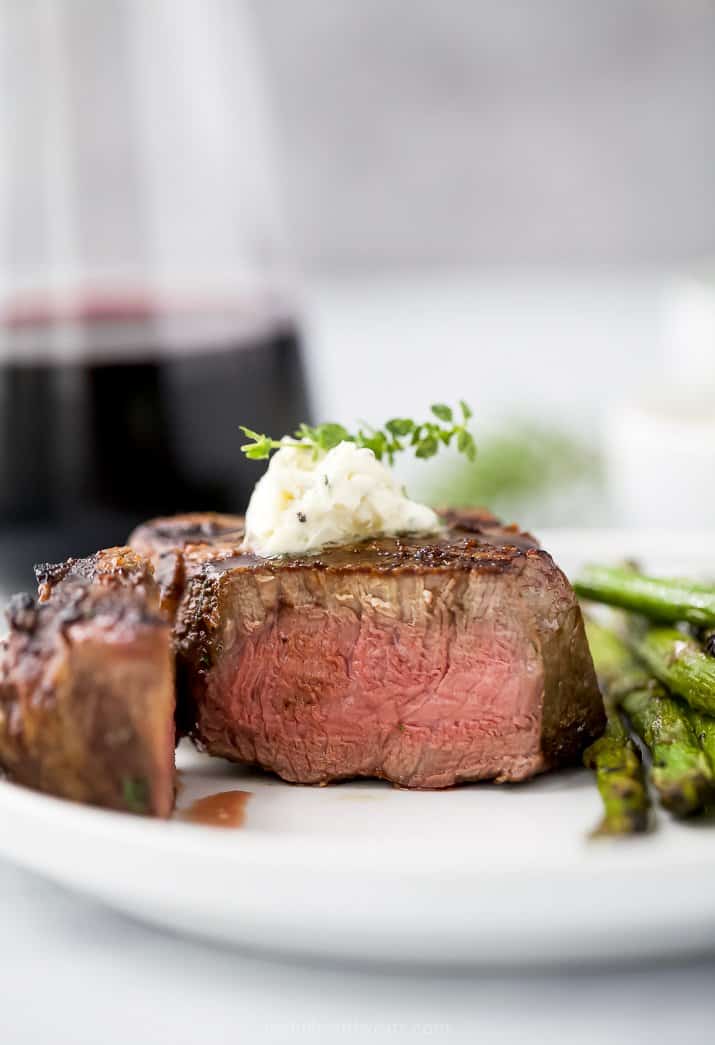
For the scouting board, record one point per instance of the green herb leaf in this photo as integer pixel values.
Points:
(442, 411)
(425, 438)
(427, 447)
(375, 441)
(400, 426)
(466, 444)
(328, 435)
(136, 794)
(260, 446)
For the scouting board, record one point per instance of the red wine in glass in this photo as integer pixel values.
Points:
(91, 443)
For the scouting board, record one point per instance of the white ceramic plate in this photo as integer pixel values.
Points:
(361, 870)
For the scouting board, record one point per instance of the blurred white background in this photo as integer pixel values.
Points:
(501, 201)
(480, 133)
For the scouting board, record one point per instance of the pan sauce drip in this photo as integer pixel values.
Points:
(224, 809)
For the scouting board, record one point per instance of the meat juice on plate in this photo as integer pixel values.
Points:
(222, 809)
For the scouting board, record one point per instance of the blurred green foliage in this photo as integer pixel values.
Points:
(522, 467)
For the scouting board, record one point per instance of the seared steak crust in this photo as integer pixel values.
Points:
(177, 546)
(194, 528)
(426, 661)
(87, 685)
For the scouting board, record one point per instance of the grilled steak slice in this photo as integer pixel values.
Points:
(178, 545)
(423, 661)
(87, 686)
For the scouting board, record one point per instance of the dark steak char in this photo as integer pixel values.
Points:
(423, 661)
(87, 686)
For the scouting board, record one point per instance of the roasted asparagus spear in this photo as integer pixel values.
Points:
(614, 757)
(660, 600)
(680, 772)
(679, 662)
(620, 781)
(704, 729)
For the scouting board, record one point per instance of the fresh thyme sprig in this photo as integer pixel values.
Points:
(398, 434)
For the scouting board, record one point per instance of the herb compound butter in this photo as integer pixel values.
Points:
(307, 500)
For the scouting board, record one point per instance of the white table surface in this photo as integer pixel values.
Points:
(74, 972)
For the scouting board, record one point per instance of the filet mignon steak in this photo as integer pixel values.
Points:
(424, 661)
(87, 686)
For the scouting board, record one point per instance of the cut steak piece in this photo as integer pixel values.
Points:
(425, 661)
(178, 545)
(87, 686)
